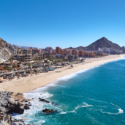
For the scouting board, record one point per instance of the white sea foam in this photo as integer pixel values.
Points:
(73, 111)
(86, 105)
(63, 112)
(36, 95)
(110, 113)
(83, 105)
(39, 122)
(76, 108)
(120, 111)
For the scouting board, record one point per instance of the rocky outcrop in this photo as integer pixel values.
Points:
(43, 100)
(6, 50)
(49, 111)
(7, 105)
(26, 107)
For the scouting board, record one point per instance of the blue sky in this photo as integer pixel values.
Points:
(64, 23)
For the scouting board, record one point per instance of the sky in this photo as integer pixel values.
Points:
(63, 23)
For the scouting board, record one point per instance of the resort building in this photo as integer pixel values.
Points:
(74, 52)
(26, 51)
(5, 65)
(59, 50)
(38, 56)
(49, 49)
(24, 58)
(80, 53)
(35, 50)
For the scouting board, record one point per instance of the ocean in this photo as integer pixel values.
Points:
(93, 96)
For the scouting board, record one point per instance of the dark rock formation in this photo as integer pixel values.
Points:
(44, 100)
(26, 107)
(8, 107)
(17, 108)
(18, 94)
(49, 111)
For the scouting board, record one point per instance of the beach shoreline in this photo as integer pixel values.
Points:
(29, 83)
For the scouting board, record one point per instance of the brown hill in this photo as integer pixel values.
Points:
(100, 43)
(103, 42)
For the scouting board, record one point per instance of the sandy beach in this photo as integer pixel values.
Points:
(29, 83)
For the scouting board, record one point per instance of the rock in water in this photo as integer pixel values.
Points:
(17, 108)
(26, 107)
(44, 100)
(49, 111)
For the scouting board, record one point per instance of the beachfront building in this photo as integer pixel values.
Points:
(5, 65)
(69, 51)
(106, 50)
(16, 64)
(72, 58)
(46, 54)
(109, 50)
(27, 55)
(35, 50)
(8, 65)
(58, 50)
(24, 58)
(64, 51)
(49, 49)
(75, 52)
(80, 53)
(26, 51)
(38, 56)
(31, 51)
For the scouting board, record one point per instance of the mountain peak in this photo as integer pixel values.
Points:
(103, 42)
(104, 38)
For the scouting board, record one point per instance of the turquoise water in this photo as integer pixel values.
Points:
(92, 97)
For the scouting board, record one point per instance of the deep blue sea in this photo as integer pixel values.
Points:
(89, 97)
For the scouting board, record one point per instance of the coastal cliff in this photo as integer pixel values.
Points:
(6, 50)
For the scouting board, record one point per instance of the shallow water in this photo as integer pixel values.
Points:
(89, 97)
